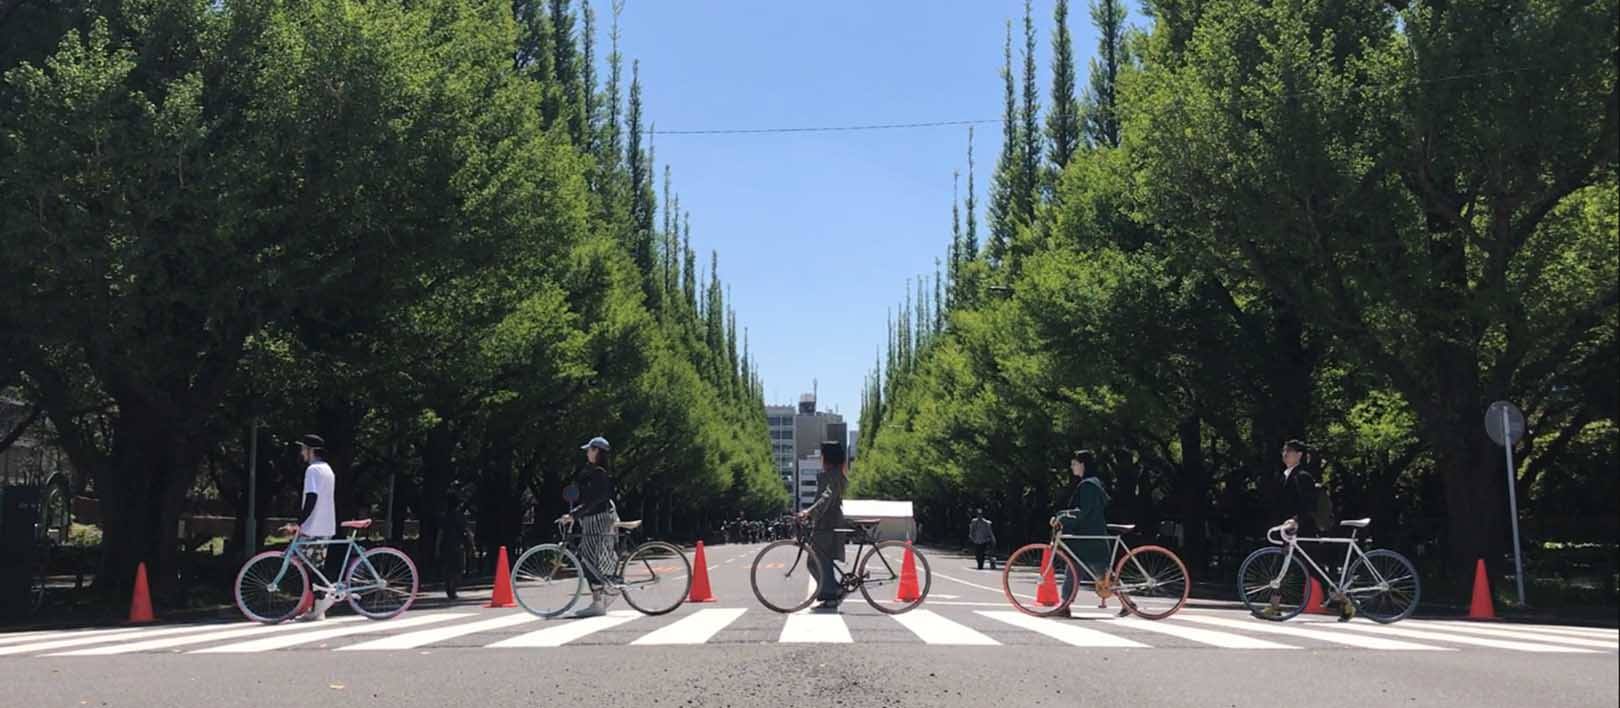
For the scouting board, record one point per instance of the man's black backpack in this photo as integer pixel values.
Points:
(1323, 516)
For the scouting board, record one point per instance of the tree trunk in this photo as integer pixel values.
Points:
(153, 467)
(1194, 489)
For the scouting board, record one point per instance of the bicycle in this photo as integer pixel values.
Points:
(379, 583)
(654, 577)
(785, 575)
(1383, 584)
(1150, 581)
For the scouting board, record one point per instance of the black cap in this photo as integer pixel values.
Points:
(313, 440)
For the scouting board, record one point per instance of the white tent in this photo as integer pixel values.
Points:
(896, 516)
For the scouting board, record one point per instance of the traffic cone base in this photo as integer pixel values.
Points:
(501, 594)
(700, 577)
(1313, 604)
(908, 592)
(1481, 608)
(1046, 594)
(140, 603)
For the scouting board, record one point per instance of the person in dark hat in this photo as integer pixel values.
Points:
(319, 515)
(595, 513)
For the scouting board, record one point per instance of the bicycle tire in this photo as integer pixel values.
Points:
(1167, 588)
(1390, 604)
(1030, 557)
(547, 571)
(644, 602)
(806, 561)
(893, 574)
(260, 601)
(388, 587)
(1270, 582)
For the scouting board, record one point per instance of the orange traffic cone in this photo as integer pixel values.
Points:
(700, 577)
(140, 604)
(908, 591)
(501, 594)
(1481, 608)
(1047, 593)
(1313, 603)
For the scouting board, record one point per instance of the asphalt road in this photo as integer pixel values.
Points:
(963, 647)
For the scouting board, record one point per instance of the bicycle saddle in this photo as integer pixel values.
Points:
(356, 524)
(1356, 523)
(1122, 528)
(627, 525)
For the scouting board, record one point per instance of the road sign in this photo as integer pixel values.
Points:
(1504, 422)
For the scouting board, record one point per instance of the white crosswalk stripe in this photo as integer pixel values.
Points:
(805, 628)
(1538, 630)
(696, 628)
(259, 645)
(569, 631)
(1452, 638)
(192, 639)
(1505, 632)
(1354, 640)
(934, 629)
(1066, 632)
(942, 626)
(1225, 640)
(412, 640)
(75, 639)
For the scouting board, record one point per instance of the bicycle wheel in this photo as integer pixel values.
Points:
(382, 583)
(1033, 579)
(657, 578)
(547, 580)
(1271, 590)
(784, 576)
(263, 598)
(1151, 581)
(1384, 585)
(884, 581)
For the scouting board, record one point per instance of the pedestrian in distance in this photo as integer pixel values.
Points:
(983, 538)
(453, 542)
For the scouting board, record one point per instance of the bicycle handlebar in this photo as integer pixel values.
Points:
(1280, 534)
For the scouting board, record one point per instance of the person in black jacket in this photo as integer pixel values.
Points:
(1297, 502)
(596, 515)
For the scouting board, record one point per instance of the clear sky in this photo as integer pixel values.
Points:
(819, 232)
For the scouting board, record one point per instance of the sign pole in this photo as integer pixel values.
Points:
(1513, 506)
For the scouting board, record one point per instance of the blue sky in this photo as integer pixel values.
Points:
(819, 232)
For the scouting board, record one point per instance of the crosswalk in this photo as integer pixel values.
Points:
(944, 626)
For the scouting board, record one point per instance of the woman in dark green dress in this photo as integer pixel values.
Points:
(1086, 515)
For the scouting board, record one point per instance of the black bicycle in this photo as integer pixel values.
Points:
(892, 576)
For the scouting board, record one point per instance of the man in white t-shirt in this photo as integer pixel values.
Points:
(319, 516)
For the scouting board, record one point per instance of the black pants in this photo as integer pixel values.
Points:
(983, 550)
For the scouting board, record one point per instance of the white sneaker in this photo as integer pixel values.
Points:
(317, 612)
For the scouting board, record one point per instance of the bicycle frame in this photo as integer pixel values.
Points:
(298, 549)
(1277, 536)
(862, 536)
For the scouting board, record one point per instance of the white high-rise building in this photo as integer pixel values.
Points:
(779, 419)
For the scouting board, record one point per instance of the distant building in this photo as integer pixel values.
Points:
(779, 419)
(796, 436)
